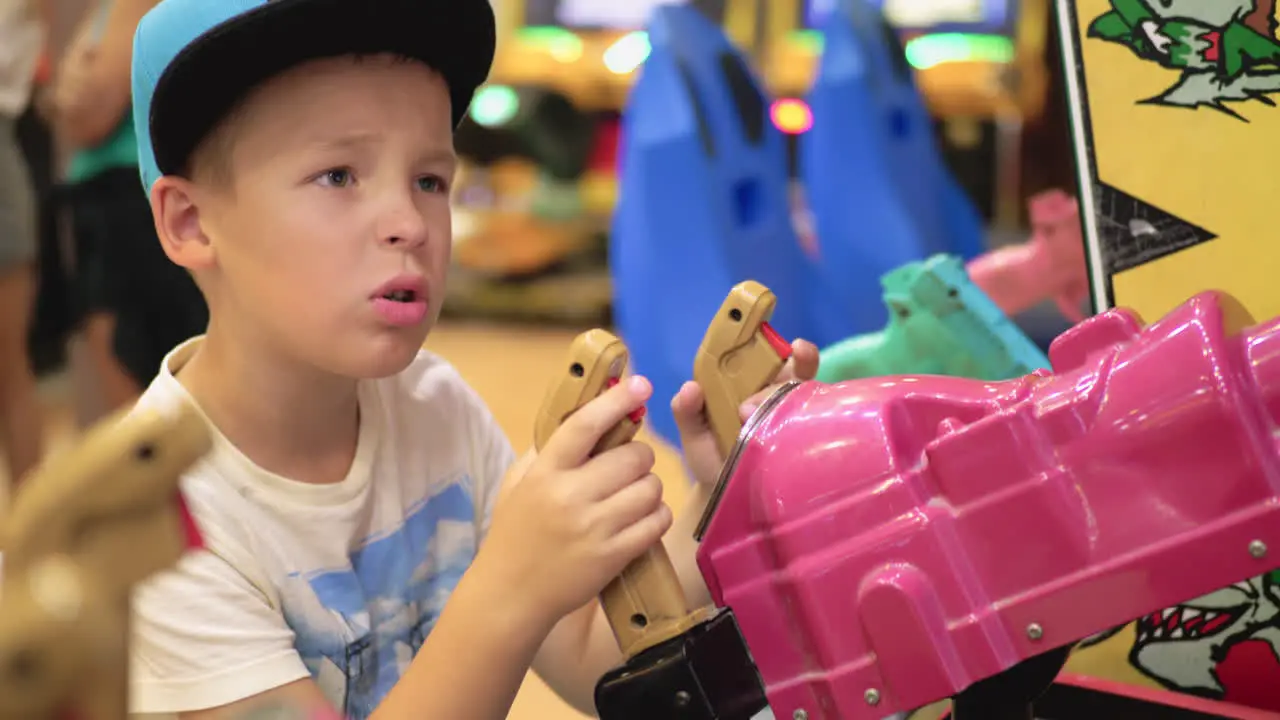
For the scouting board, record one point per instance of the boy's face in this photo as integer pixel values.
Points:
(332, 242)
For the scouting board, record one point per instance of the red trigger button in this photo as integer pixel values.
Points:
(636, 415)
(776, 341)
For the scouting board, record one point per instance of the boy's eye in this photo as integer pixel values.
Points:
(431, 184)
(337, 177)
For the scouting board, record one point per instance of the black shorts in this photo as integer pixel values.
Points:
(121, 270)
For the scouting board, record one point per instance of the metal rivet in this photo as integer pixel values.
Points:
(683, 698)
(1034, 631)
(1258, 549)
(800, 714)
(872, 696)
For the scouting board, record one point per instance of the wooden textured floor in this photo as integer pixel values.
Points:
(510, 367)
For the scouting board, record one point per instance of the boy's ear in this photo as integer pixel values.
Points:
(178, 221)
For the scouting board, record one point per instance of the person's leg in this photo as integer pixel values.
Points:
(21, 423)
(116, 385)
(21, 419)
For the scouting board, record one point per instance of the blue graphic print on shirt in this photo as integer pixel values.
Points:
(358, 627)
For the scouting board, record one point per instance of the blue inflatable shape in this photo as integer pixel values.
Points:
(880, 194)
(947, 214)
(703, 205)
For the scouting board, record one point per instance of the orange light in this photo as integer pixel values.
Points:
(791, 116)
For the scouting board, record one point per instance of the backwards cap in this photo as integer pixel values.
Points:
(193, 60)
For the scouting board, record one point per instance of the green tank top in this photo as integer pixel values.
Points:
(120, 149)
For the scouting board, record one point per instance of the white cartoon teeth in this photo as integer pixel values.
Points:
(1192, 623)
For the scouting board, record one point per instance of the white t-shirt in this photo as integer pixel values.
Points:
(341, 582)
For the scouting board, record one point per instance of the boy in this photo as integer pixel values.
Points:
(364, 551)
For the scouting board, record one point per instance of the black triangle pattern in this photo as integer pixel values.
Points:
(1134, 232)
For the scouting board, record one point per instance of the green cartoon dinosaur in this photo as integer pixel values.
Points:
(1226, 50)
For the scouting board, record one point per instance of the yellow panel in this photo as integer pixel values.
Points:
(1207, 169)
(1208, 166)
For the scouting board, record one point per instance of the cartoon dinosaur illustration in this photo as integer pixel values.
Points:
(1226, 51)
(1223, 646)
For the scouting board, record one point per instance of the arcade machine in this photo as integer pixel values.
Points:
(979, 65)
(541, 150)
(1174, 105)
(968, 540)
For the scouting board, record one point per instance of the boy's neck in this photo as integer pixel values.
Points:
(297, 422)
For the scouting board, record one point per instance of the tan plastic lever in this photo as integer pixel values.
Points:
(645, 604)
(83, 529)
(739, 356)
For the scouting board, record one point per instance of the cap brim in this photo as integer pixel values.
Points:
(213, 73)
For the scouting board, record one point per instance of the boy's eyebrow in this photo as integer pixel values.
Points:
(349, 140)
(361, 139)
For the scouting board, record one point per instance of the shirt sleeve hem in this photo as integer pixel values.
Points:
(210, 691)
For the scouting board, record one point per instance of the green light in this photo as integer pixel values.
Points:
(494, 105)
(560, 43)
(928, 51)
(809, 41)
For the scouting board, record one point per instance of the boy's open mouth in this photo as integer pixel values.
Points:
(403, 296)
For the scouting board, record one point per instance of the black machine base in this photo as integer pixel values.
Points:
(705, 674)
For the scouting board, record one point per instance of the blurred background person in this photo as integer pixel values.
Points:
(22, 30)
(135, 305)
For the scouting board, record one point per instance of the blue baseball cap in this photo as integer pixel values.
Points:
(193, 60)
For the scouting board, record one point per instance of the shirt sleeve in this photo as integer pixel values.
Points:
(206, 636)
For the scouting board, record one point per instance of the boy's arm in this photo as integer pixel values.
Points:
(582, 648)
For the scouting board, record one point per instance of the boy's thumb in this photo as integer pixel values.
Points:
(687, 407)
(573, 442)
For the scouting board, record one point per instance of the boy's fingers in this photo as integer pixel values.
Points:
(804, 360)
(611, 471)
(573, 442)
(688, 407)
(643, 534)
(697, 443)
(748, 408)
(631, 504)
(803, 364)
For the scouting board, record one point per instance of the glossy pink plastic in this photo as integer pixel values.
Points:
(885, 543)
(1048, 266)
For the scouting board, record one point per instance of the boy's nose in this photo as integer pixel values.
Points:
(404, 228)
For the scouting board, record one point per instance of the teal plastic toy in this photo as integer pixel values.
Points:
(940, 323)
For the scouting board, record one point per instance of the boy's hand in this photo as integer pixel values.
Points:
(700, 453)
(572, 522)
